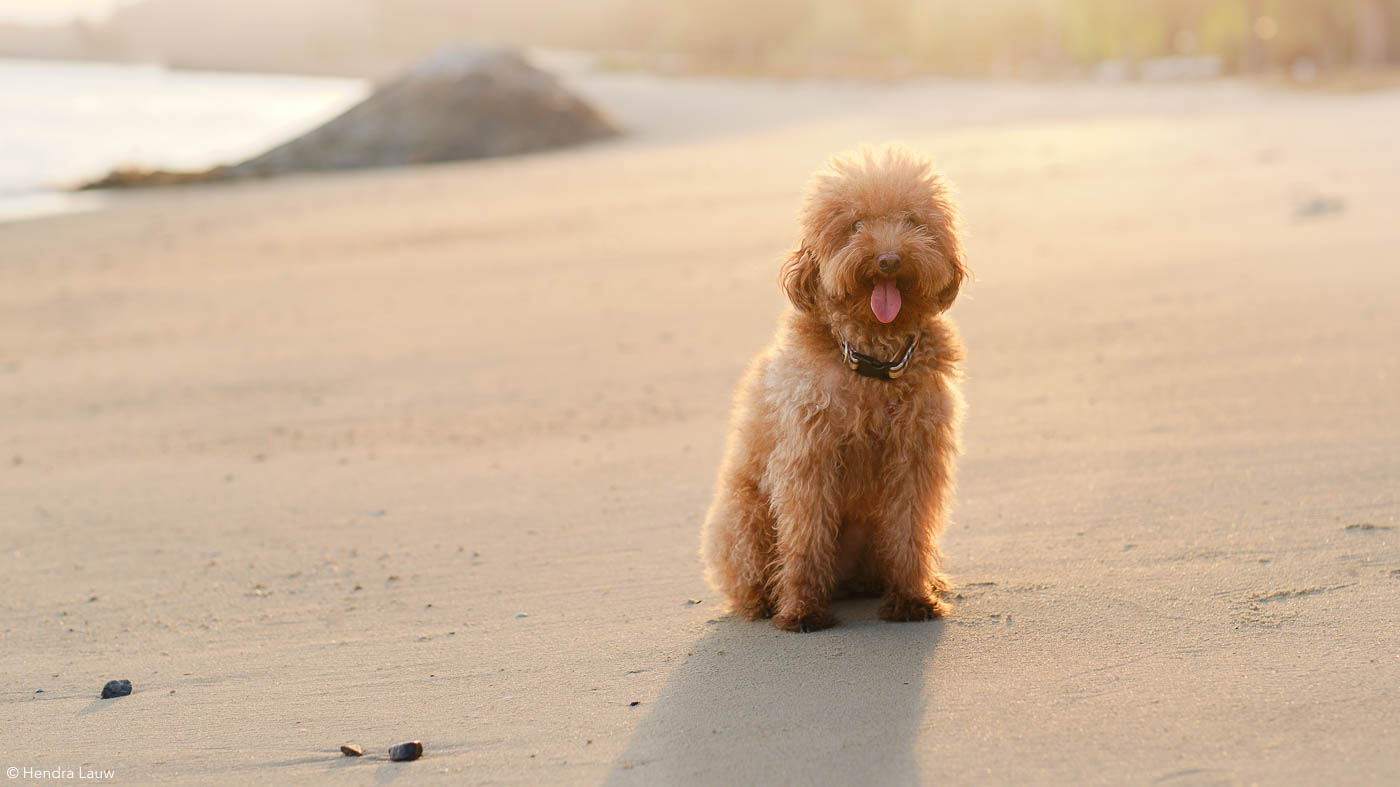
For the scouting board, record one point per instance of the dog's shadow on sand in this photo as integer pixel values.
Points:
(753, 705)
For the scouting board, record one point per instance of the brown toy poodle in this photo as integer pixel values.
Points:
(838, 476)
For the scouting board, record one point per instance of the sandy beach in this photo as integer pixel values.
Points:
(423, 454)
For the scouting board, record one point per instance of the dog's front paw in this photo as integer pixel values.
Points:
(805, 623)
(902, 609)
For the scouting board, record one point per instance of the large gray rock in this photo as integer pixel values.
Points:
(460, 103)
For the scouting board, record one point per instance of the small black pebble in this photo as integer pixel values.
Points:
(406, 751)
(634, 703)
(38, 691)
(351, 750)
(116, 688)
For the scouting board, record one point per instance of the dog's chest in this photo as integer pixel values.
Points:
(873, 425)
(877, 423)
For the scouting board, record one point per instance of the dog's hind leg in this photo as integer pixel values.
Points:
(738, 547)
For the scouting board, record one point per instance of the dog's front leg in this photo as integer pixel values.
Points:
(803, 480)
(917, 492)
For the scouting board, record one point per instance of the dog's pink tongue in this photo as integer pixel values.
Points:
(884, 300)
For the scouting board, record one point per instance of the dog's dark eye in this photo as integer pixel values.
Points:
(911, 222)
(856, 227)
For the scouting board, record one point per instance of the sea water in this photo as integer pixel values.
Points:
(63, 122)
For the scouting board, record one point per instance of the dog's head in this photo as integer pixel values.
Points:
(880, 242)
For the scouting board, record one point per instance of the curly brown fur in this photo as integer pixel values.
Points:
(832, 481)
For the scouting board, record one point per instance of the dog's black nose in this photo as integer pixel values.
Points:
(888, 262)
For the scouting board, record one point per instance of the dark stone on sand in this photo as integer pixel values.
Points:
(351, 750)
(459, 103)
(116, 688)
(405, 752)
(1318, 206)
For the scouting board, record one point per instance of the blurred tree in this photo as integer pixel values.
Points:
(1372, 29)
(1007, 37)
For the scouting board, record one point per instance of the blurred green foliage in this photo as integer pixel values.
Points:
(1015, 36)
(840, 37)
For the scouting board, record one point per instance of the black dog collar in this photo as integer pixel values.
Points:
(880, 370)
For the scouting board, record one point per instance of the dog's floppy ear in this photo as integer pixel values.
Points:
(798, 278)
(951, 244)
